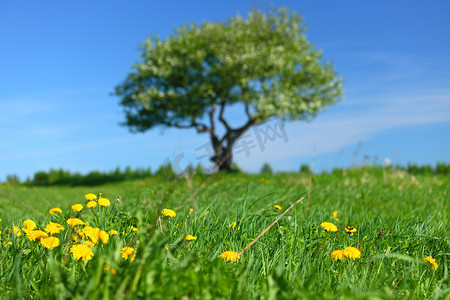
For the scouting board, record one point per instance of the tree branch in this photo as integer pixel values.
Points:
(211, 117)
(201, 127)
(224, 122)
(247, 111)
(198, 126)
(234, 134)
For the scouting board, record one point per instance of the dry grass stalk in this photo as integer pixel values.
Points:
(267, 229)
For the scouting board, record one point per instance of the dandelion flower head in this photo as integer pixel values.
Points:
(53, 228)
(127, 252)
(229, 255)
(328, 226)
(104, 237)
(17, 231)
(90, 197)
(33, 235)
(190, 237)
(108, 267)
(335, 215)
(233, 226)
(168, 213)
(74, 222)
(77, 207)
(104, 202)
(431, 261)
(81, 251)
(50, 242)
(95, 234)
(55, 210)
(337, 255)
(89, 243)
(352, 253)
(277, 207)
(29, 224)
(91, 204)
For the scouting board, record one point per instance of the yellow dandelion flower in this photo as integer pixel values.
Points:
(53, 228)
(33, 235)
(190, 238)
(127, 252)
(113, 232)
(26, 231)
(104, 237)
(7, 244)
(168, 213)
(328, 226)
(90, 197)
(92, 233)
(335, 215)
(81, 251)
(104, 202)
(352, 253)
(277, 207)
(74, 222)
(95, 234)
(191, 210)
(89, 243)
(229, 255)
(337, 255)
(79, 232)
(431, 261)
(77, 207)
(91, 204)
(55, 210)
(233, 226)
(17, 231)
(108, 267)
(29, 224)
(133, 228)
(350, 229)
(50, 242)
(88, 230)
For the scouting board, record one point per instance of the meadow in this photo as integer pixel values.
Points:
(166, 239)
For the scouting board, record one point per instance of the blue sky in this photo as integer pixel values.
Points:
(59, 62)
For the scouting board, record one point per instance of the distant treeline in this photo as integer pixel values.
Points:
(63, 177)
(441, 168)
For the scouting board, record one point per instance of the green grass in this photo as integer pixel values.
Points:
(400, 220)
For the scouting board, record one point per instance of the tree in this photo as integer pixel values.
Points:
(266, 169)
(264, 63)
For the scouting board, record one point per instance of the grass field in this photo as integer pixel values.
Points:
(400, 219)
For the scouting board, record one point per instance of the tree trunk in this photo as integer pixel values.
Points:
(223, 157)
(227, 160)
(223, 148)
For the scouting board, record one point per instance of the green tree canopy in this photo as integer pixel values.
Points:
(263, 62)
